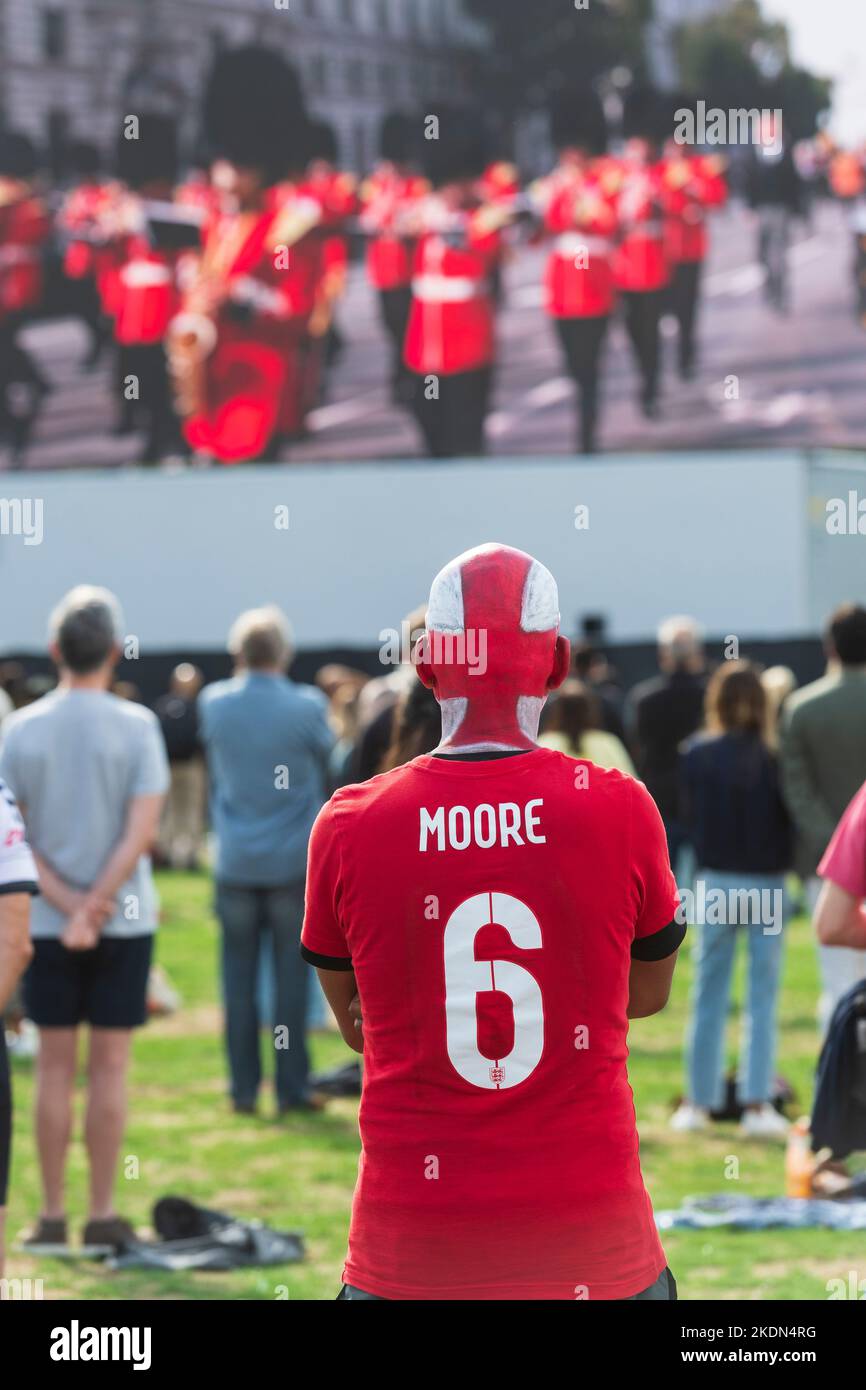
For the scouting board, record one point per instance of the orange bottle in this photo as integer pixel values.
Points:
(799, 1161)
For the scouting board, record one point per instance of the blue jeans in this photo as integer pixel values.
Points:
(245, 914)
(712, 989)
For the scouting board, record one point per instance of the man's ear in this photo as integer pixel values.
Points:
(425, 674)
(561, 663)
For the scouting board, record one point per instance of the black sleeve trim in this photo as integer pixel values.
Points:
(325, 962)
(25, 886)
(661, 943)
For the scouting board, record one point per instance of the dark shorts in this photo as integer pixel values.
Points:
(664, 1290)
(5, 1116)
(105, 987)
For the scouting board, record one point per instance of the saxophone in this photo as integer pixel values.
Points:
(191, 338)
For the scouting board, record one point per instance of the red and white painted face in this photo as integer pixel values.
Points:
(492, 650)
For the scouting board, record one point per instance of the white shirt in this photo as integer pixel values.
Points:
(17, 868)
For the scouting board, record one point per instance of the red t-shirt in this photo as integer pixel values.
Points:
(489, 911)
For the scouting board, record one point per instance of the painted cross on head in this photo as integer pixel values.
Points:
(500, 602)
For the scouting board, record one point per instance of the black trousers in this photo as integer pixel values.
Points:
(642, 314)
(451, 411)
(582, 341)
(683, 302)
(394, 306)
(18, 368)
(152, 411)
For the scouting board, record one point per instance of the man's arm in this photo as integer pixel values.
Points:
(341, 993)
(840, 918)
(15, 947)
(649, 985)
(813, 819)
(55, 890)
(142, 821)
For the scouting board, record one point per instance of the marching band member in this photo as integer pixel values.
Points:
(156, 236)
(336, 192)
(236, 347)
(24, 227)
(450, 334)
(81, 222)
(387, 199)
(580, 216)
(692, 185)
(641, 270)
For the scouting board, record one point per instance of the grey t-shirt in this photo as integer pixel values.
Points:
(74, 760)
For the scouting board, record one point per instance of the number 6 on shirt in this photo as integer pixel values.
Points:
(466, 978)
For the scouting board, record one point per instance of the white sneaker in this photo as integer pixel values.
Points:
(765, 1123)
(690, 1117)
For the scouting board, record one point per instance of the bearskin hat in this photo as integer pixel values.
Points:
(253, 112)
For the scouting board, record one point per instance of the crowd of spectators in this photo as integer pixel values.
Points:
(752, 778)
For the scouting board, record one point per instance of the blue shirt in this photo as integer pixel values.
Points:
(267, 742)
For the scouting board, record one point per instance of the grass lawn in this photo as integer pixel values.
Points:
(299, 1174)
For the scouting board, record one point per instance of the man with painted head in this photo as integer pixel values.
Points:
(500, 911)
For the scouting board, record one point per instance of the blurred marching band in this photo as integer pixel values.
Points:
(217, 293)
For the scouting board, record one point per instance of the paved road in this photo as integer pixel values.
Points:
(800, 376)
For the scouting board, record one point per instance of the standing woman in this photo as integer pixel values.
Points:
(742, 836)
(580, 216)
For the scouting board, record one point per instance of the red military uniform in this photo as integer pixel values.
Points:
(451, 320)
(248, 308)
(641, 262)
(450, 333)
(581, 217)
(147, 296)
(81, 218)
(24, 227)
(692, 184)
(385, 197)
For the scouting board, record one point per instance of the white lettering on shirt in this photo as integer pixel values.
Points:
(485, 826)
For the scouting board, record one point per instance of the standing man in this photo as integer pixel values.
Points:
(663, 711)
(450, 335)
(89, 773)
(17, 884)
(501, 911)
(181, 833)
(641, 267)
(693, 183)
(267, 741)
(774, 191)
(386, 196)
(24, 227)
(580, 216)
(823, 755)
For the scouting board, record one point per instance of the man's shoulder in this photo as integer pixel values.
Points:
(817, 695)
(20, 721)
(306, 696)
(647, 689)
(132, 714)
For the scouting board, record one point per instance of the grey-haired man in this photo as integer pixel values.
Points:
(89, 772)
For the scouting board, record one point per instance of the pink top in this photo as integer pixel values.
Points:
(844, 861)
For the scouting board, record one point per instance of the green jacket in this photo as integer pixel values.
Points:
(823, 758)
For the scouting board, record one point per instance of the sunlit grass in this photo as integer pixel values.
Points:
(299, 1174)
